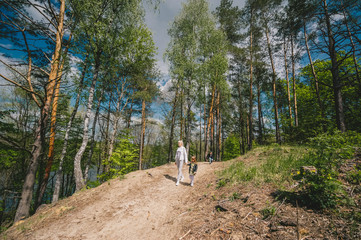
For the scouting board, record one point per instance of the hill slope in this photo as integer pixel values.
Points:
(144, 205)
(148, 205)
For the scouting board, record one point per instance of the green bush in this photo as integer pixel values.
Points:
(321, 189)
(231, 147)
(123, 159)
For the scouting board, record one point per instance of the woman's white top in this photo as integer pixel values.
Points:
(181, 154)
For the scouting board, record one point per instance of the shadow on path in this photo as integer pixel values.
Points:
(167, 176)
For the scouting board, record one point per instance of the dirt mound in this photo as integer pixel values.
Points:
(148, 205)
(144, 205)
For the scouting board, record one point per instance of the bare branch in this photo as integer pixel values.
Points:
(20, 86)
(36, 7)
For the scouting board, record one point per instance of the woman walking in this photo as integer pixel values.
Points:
(180, 157)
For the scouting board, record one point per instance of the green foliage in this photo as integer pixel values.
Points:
(234, 196)
(268, 211)
(272, 166)
(354, 177)
(221, 183)
(321, 189)
(231, 147)
(123, 160)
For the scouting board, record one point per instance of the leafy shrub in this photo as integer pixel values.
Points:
(231, 147)
(123, 159)
(321, 189)
(268, 211)
(354, 177)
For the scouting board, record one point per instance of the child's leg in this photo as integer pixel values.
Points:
(192, 179)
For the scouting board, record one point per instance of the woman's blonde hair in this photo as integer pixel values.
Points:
(180, 142)
(195, 159)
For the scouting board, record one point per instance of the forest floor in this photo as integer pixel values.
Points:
(147, 205)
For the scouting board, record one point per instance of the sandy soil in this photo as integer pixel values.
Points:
(148, 205)
(144, 205)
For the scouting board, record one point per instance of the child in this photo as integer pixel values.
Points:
(193, 167)
(210, 157)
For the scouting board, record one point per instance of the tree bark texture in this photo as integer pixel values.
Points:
(288, 82)
(28, 186)
(294, 81)
(278, 136)
(78, 174)
(59, 173)
(340, 118)
(142, 133)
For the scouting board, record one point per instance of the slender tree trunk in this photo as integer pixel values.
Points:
(142, 135)
(181, 113)
(92, 139)
(200, 133)
(260, 134)
(241, 120)
(278, 136)
(314, 75)
(294, 82)
(353, 48)
(118, 111)
(288, 82)
(219, 124)
(28, 186)
(174, 111)
(59, 173)
(340, 119)
(130, 113)
(210, 118)
(49, 164)
(47, 171)
(78, 174)
(107, 139)
(250, 139)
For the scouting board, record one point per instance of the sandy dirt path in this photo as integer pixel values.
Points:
(144, 205)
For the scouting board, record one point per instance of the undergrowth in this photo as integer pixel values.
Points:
(320, 185)
(269, 164)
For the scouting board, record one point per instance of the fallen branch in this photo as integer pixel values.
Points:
(247, 215)
(185, 235)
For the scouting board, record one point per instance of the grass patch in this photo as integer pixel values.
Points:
(271, 164)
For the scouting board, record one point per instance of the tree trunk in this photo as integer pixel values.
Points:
(49, 164)
(340, 119)
(241, 120)
(250, 139)
(118, 111)
(142, 133)
(130, 113)
(210, 119)
(353, 48)
(260, 133)
(278, 136)
(174, 111)
(92, 141)
(219, 124)
(59, 173)
(294, 82)
(314, 76)
(107, 140)
(200, 133)
(288, 82)
(78, 174)
(28, 186)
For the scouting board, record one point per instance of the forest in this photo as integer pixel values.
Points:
(80, 88)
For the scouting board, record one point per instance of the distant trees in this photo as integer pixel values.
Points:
(197, 55)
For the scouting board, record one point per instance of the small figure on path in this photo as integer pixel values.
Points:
(210, 157)
(180, 157)
(193, 167)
